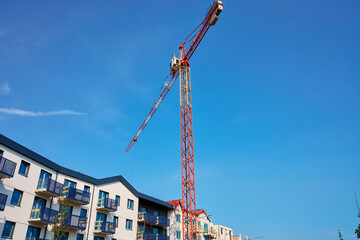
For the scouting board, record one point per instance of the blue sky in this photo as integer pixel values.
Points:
(276, 104)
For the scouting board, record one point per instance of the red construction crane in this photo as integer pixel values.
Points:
(180, 66)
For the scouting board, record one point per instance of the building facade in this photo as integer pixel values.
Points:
(34, 192)
(37, 194)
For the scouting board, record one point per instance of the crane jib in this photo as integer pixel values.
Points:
(210, 20)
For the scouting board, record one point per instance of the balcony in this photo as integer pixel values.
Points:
(73, 222)
(163, 221)
(106, 205)
(104, 228)
(151, 236)
(152, 219)
(209, 233)
(3, 198)
(7, 168)
(48, 188)
(75, 196)
(43, 216)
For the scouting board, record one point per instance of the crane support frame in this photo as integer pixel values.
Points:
(187, 154)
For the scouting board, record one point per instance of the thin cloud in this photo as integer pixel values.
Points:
(19, 112)
(5, 89)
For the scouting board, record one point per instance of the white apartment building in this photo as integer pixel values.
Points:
(100, 209)
(206, 230)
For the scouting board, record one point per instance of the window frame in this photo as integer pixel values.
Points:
(20, 198)
(117, 197)
(131, 205)
(131, 224)
(11, 232)
(80, 234)
(27, 168)
(116, 220)
(32, 228)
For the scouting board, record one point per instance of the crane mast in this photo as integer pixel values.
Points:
(180, 67)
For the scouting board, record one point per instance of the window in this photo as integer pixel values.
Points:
(64, 236)
(8, 229)
(143, 209)
(68, 183)
(98, 238)
(44, 179)
(103, 195)
(117, 200)
(33, 232)
(156, 213)
(128, 224)
(178, 234)
(16, 197)
(177, 218)
(83, 213)
(221, 230)
(86, 188)
(130, 204)
(24, 168)
(155, 230)
(80, 237)
(116, 221)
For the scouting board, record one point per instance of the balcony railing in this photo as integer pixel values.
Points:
(107, 204)
(164, 221)
(73, 221)
(34, 238)
(150, 218)
(76, 195)
(151, 236)
(49, 187)
(104, 227)
(3, 198)
(7, 168)
(45, 215)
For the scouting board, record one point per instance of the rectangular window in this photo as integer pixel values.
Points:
(86, 188)
(8, 229)
(44, 179)
(155, 230)
(24, 168)
(116, 221)
(98, 238)
(103, 195)
(130, 204)
(178, 234)
(68, 183)
(16, 197)
(156, 213)
(83, 213)
(221, 230)
(65, 236)
(80, 237)
(143, 209)
(33, 232)
(177, 218)
(117, 199)
(128, 224)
